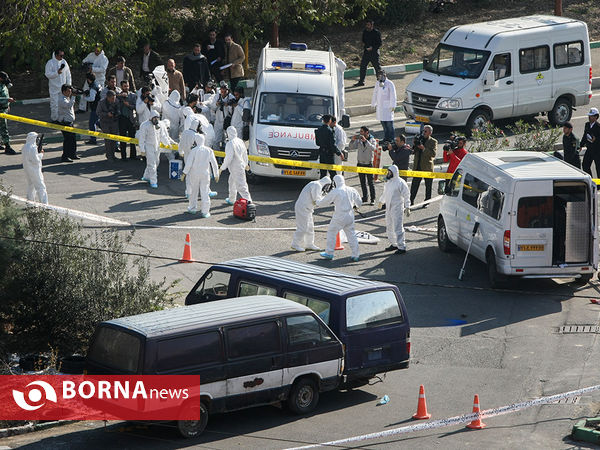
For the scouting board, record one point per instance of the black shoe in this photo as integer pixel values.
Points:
(360, 83)
(426, 205)
(9, 150)
(391, 248)
(65, 159)
(75, 157)
(400, 251)
(365, 200)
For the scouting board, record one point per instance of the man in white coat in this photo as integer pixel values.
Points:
(171, 110)
(199, 166)
(304, 236)
(384, 100)
(149, 139)
(99, 63)
(236, 160)
(32, 163)
(344, 199)
(396, 197)
(243, 103)
(58, 73)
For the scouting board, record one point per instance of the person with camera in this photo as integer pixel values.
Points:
(92, 97)
(122, 72)
(33, 152)
(365, 145)
(425, 148)
(222, 107)
(325, 140)
(384, 102)
(304, 236)
(400, 153)
(5, 101)
(371, 38)
(95, 62)
(66, 116)
(108, 113)
(145, 105)
(591, 141)
(454, 152)
(58, 73)
(111, 85)
(127, 102)
(396, 198)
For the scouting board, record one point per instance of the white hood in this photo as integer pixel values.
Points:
(31, 137)
(339, 181)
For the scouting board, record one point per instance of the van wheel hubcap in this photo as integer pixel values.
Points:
(305, 397)
(562, 113)
(442, 232)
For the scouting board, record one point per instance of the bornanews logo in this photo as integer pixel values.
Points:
(86, 397)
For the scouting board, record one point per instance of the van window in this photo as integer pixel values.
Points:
(293, 110)
(188, 351)
(568, 54)
(501, 66)
(319, 307)
(457, 61)
(534, 59)
(454, 186)
(535, 212)
(214, 287)
(116, 349)
(372, 310)
(473, 189)
(253, 340)
(247, 289)
(305, 332)
(491, 202)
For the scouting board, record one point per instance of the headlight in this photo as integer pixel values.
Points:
(262, 148)
(450, 103)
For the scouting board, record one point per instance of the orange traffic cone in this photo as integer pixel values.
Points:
(477, 424)
(187, 250)
(338, 242)
(421, 406)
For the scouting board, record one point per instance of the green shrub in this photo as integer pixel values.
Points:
(404, 12)
(536, 136)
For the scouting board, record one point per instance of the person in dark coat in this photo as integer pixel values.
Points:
(150, 59)
(214, 50)
(591, 140)
(570, 146)
(400, 153)
(196, 71)
(371, 39)
(325, 140)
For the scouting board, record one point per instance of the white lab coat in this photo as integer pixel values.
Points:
(384, 100)
(199, 166)
(55, 82)
(304, 236)
(236, 160)
(171, 110)
(341, 140)
(396, 197)
(220, 115)
(149, 138)
(99, 66)
(340, 68)
(344, 199)
(32, 164)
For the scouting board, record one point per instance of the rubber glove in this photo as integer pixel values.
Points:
(182, 177)
(248, 168)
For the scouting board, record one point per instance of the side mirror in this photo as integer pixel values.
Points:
(425, 62)
(490, 78)
(345, 122)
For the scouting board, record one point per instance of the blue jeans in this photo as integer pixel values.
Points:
(388, 130)
(92, 123)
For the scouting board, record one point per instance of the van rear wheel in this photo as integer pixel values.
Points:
(561, 112)
(495, 279)
(584, 279)
(194, 428)
(444, 243)
(304, 396)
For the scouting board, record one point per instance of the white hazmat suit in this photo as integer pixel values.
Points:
(304, 236)
(55, 82)
(344, 199)
(32, 164)
(171, 110)
(99, 65)
(221, 107)
(188, 144)
(149, 138)
(396, 197)
(236, 160)
(207, 128)
(199, 166)
(237, 119)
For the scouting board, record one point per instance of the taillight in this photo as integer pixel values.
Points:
(408, 347)
(590, 76)
(507, 242)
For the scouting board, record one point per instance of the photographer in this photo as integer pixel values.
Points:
(454, 152)
(92, 97)
(145, 105)
(108, 112)
(425, 148)
(400, 153)
(5, 101)
(222, 106)
(66, 116)
(58, 73)
(127, 101)
(365, 143)
(111, 85)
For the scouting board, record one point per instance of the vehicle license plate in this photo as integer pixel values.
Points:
(374, 355)
(298, 173)
(423, 119)
(531, 248)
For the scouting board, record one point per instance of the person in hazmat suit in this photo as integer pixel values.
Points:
(396, 197)
(304, 236)
(58, 73)
(199, 166)
(222, 107)
(32, 164)
(171, 110)
(344, 199)
(236, 160)
(149, 139)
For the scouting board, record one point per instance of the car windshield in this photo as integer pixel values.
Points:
(457, 61)
(295, 110)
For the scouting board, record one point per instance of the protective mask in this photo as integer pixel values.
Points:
(389, 175)
(9, 85)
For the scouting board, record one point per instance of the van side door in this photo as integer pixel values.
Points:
(533, 82)
(254, 364)
(500, 95)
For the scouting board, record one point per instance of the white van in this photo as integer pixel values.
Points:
(536, 215)
(504, 68)
(293, 89)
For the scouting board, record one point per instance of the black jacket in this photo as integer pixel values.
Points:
(325, 139)
(214, 53)
(155, 60)
(593, 147)
(195, 70)
(372, 39)
(570, 150)
(400, 156)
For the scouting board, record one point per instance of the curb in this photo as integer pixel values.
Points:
(30, 427)
(582, 430)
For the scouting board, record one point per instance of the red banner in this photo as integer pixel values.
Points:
(95, 397)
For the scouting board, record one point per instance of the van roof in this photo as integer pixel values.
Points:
(479, 35)
(306, 56)
(316, 277)
(527, 165)
(204, 315)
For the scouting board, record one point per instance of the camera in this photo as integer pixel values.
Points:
(77, 91)
(231, 102)
(419, 139)
(452, 143)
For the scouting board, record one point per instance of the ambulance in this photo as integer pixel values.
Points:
(293, 89)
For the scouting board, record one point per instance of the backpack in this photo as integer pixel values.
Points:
(244, 209)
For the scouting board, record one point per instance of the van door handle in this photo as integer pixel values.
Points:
(509, 82)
